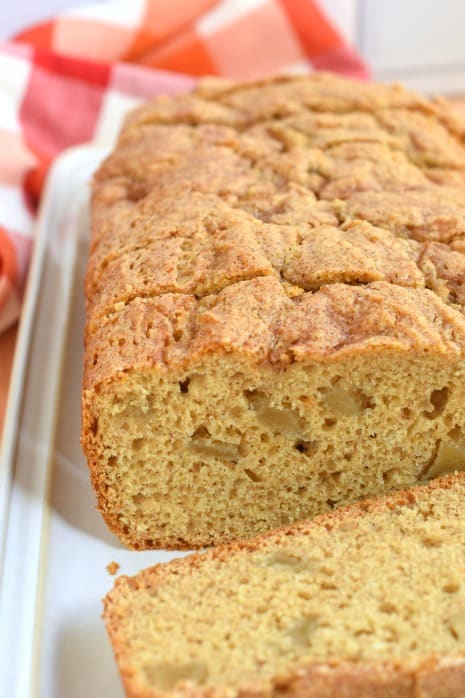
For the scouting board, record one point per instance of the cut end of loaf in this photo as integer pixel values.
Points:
(372, 594)
(226, 451)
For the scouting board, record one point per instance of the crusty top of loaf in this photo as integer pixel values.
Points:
(285, 220)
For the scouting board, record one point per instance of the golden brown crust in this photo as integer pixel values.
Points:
(415, 677)
(308, 181)
(173, 331)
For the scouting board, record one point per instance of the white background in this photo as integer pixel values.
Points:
(421, 42)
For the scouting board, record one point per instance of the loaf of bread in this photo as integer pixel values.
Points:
(364, 602)
(275, 299)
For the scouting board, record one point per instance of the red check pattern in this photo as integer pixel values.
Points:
(71, 79)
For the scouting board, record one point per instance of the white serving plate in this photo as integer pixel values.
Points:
(54, 546)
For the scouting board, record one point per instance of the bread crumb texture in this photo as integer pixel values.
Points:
(275, 307)
(113, 567)
(367, 601)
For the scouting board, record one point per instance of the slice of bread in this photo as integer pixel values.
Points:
(365, 602)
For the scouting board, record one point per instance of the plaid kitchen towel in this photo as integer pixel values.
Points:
(71, 79)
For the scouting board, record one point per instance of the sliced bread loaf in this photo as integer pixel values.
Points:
(364, 602)
(275, 297)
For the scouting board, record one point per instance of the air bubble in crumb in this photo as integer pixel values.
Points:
(112, 567)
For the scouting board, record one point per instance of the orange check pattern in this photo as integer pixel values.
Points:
(71, 80)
